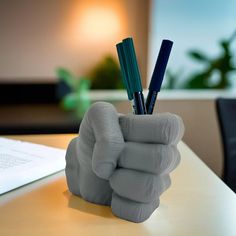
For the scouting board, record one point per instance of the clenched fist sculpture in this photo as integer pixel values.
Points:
(123, 160)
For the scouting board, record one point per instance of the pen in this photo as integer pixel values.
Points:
(124, 72)
(134, 76)
(158, 74)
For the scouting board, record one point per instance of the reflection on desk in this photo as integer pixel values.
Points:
(197, 203)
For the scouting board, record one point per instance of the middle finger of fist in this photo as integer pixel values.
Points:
(151, 158)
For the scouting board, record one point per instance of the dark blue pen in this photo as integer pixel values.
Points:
(158, 74)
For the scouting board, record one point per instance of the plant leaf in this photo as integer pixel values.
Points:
(66, 76)
(199, 56)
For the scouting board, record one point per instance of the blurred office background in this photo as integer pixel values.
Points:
(79, 36)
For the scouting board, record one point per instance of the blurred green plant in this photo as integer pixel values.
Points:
(172, 79)
(77, 98)
(106, 74)
(214, 75)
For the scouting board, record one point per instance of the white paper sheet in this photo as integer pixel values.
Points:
(24, 162)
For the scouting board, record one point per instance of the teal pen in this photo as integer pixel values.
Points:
(124, 72)
(134, 76)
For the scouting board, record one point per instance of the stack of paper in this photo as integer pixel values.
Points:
(23, 162)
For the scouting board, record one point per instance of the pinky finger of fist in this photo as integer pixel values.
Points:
(132, 211)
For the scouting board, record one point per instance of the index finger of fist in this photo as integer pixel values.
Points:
(165, 128)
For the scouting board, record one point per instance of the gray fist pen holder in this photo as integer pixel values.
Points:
(123, 161)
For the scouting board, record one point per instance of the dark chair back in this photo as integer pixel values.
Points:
(226, 111)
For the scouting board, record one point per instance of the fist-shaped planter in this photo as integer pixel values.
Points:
(123, 160)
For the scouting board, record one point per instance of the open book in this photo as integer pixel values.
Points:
(23, 162)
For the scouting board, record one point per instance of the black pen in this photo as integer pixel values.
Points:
(158, 74)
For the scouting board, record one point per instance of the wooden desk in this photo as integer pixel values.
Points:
(198, 203)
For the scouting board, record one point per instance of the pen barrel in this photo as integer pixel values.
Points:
(133, 106)
(140, 108)
(150, 102)
(160, 66)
